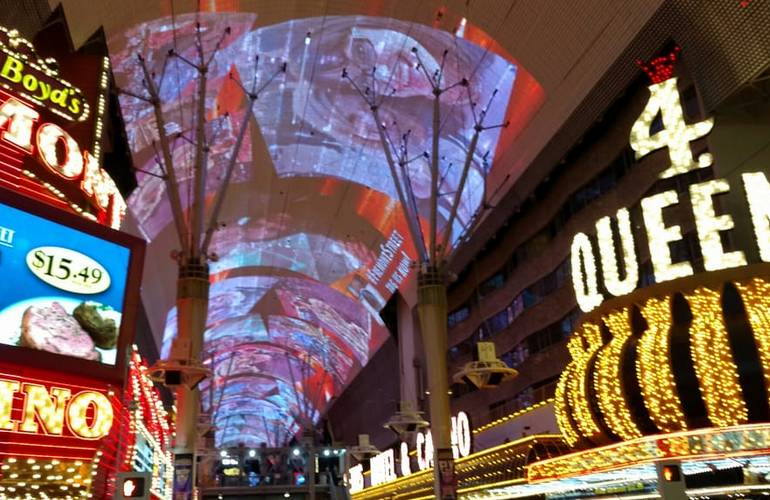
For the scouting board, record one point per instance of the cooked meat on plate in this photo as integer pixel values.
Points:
(52, 329)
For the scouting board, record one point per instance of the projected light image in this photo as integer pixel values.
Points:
(313, 241)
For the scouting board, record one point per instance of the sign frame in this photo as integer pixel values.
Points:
(136, 247)
(146, 477)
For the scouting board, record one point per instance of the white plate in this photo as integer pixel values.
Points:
(11, 316)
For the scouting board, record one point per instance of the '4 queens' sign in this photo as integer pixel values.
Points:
(617, 249)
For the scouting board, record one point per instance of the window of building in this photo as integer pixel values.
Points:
(458, 315)
(498, 322)
(495, 282)
(542, 339)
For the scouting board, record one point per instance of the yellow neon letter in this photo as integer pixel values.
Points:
(103, 415)
(12, 70)
(7, 389)
(39, 402)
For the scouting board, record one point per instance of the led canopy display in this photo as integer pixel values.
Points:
(313, 241)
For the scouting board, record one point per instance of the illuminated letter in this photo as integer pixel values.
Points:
(40, 403)
(756, 299)
(561, 407)
(91, 174)
(18, 119)
(405, 468)
(78, 411)
(96, 182)
(709, 225)
(453, 438)
(383, 467)
(105, 190)
(586, 288)
(612, 280)
(659, 236)
(117, 210)
(422, 463)
(45, 90)
(7, 389)
(356, 478)
(676, 134)
(29, 82)
(758, 195)
(47, 136)
(59, 96)
(12, 70)
(463, 434)
(74, 106)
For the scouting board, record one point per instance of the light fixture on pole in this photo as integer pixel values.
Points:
(364, 450)
(406, 421)
(486, 371)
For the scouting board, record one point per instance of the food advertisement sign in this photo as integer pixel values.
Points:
(65, 289)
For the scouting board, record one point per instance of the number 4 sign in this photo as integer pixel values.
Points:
(676, 134)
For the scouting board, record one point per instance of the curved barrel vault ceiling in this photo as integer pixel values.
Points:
(312, 243)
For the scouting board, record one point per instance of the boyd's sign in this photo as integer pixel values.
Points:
(34, 408)
(25, 74)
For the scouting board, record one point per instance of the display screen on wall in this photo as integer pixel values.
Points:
(65, 287)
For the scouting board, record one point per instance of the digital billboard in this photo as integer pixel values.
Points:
(66, 287)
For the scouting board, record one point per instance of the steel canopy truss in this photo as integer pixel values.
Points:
(311, 239)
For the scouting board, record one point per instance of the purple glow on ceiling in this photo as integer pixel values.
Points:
(314, 243)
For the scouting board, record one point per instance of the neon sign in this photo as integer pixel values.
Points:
(86, 414)
(383, 467)
(23, 73)
(356, 478)
(709, 226)
(460, 436)
(149, 437)
(68, 162)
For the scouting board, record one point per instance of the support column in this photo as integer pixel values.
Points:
(406, 352)
(308, 443)
(192, 312)
(432, 308)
